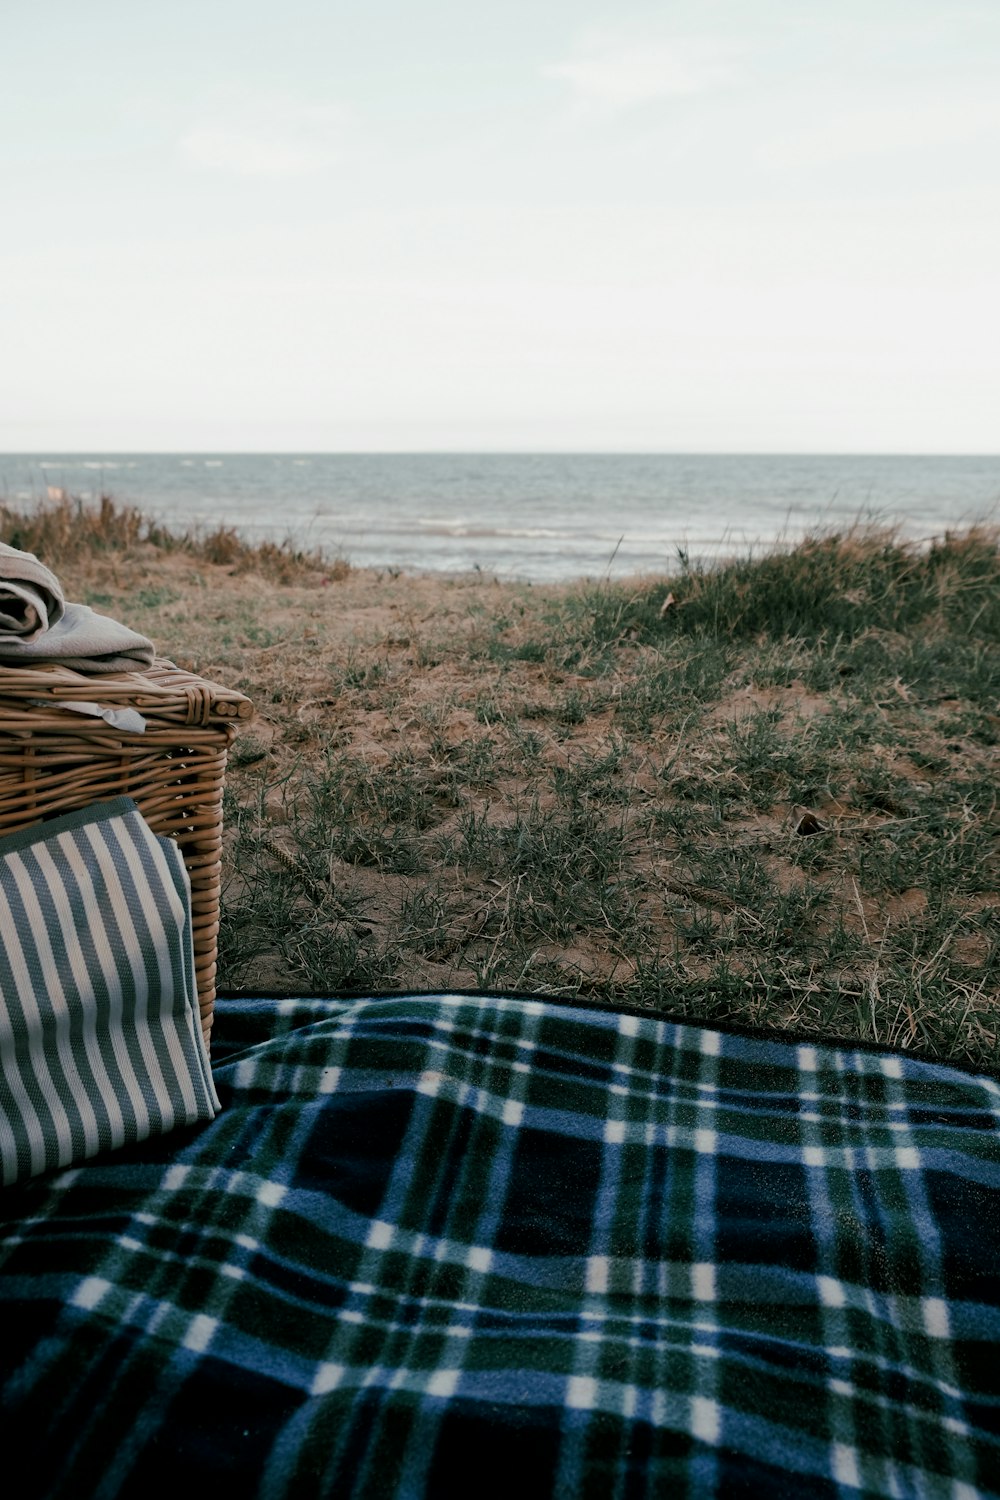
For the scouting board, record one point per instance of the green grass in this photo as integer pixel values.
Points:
(623, 824)
(582, 791)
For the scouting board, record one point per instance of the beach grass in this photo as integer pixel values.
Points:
(763, 793)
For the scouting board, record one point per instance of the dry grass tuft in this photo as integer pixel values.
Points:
(65, 531)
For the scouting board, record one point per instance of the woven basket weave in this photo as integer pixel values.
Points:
(54, 760)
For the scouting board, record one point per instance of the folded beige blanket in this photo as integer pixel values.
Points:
(39, 628)
(31, 598)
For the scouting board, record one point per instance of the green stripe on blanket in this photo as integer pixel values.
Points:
(100, 1043)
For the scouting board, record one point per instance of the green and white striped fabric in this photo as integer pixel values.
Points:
(100, 1041)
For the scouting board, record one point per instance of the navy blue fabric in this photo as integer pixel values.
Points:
(445, 1244)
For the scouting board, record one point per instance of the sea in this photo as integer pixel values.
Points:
(537, 517)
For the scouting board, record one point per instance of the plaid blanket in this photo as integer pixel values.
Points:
(438, 1245)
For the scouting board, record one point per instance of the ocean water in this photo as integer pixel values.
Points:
(540, 517)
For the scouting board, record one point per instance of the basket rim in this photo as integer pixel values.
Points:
(162, 690)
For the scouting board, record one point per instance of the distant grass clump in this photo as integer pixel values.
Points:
(67, 530)
(828, 588)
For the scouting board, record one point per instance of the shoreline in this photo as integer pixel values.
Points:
(544, 518)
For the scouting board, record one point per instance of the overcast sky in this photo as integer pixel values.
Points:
(724, 225)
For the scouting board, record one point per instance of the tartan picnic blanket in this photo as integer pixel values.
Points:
(444, 1244)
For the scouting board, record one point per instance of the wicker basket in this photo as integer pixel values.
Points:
(54, 760)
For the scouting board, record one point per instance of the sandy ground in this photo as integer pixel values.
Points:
(403, 681)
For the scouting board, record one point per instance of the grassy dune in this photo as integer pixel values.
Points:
(765, 793)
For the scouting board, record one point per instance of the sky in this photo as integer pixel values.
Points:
(535, 225)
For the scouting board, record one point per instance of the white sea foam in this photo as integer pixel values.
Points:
(523, 533)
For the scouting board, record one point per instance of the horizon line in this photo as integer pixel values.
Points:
(63, 453)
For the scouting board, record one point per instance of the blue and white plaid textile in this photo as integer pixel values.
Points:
(445, 1245)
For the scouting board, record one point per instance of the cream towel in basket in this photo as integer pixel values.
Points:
(39, 628)
(31, 597)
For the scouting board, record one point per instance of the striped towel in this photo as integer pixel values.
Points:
(100, 1043)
